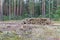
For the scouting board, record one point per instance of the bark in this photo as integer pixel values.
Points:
(43, 8)
(1, 9)
(21, 7)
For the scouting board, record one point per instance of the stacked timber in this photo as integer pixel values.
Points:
(40, 21)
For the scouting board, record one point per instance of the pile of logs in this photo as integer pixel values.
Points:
(40, 21)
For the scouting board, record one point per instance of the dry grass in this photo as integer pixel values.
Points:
(33, 31)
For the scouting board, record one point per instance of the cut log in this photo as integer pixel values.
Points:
(40, 21)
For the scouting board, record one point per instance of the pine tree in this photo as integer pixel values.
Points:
(31, 7)
(1, 9)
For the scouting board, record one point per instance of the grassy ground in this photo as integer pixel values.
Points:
(38, 32)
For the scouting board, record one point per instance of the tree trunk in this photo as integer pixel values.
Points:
(21, 7)
(43, 8)
(1, 10)
(31, 7)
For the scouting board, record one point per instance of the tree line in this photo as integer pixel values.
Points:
(15, 9)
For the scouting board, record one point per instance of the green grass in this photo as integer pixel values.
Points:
(12, 36)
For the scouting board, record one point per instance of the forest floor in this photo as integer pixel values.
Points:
(32, 31)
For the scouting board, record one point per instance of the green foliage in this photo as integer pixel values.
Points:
(5, 17)
(32, 9)
(11, 36)
(57, 15)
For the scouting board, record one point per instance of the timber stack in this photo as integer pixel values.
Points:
(39, 21)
